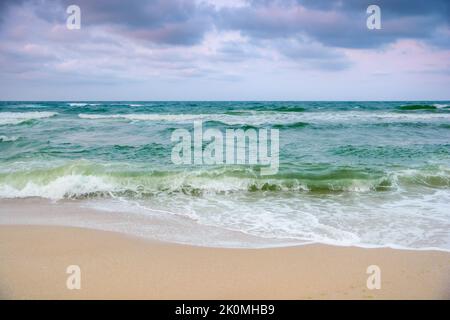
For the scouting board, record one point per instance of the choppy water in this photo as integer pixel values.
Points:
(351, 173)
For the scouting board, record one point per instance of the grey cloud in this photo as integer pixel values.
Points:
(313, 55)
(307, 32)
(174, 22)
(338, 23)
(5, 5)
(185, 22)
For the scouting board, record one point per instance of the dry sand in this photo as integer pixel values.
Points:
(33, 262)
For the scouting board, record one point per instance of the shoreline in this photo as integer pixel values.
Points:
(153, 226)
(117, 266)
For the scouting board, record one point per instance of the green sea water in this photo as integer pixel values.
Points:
(350, 173)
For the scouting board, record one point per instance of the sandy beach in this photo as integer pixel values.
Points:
(224, 150)
(114, 266)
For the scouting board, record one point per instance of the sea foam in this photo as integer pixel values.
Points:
(19, 117)
(277, 118)
(8, 139)
(64, 187)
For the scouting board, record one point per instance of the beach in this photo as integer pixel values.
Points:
(211, 149)
(115, 266)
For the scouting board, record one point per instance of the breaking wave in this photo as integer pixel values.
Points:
(280, 118)
(85, 180)
(8, 139)
(20, 117)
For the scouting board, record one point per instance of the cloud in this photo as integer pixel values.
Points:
(338, 23)
(314, 55)
(174, 22)
(185, 22)
(214, 40)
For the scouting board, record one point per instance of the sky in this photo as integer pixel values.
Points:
(224, 50)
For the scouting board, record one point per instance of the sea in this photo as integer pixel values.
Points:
(368, 174)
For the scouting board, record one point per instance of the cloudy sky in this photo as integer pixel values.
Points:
(224, 50)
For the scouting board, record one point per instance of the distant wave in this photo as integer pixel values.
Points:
(273, 109)
(390, 152)
(8, 139)
(226, 119)
(441, 105)
(277, 118)
(295, 125)
(82, 104)
(261, 110)
(417, 107)
(144, 117)
(19, 117)
(287, 109)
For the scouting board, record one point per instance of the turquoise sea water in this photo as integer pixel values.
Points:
(351, 173)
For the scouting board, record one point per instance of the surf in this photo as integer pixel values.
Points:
(11, 118)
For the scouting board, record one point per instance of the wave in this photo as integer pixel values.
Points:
(288, 109)
(391, 152)
(85, 180)
(213, 123)
(239, 112)
(280, 118)
(82, 104)
(7, 118)
(441, 105)
(144, 117)
(70, 186)
(8, 139)
(417, 107)
(257, 109)
(294, 125)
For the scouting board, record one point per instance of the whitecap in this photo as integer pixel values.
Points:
(8, 139)
(261, 118)
(19, 117)
(69, 186)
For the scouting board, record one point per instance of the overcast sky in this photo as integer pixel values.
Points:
(224, 50)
